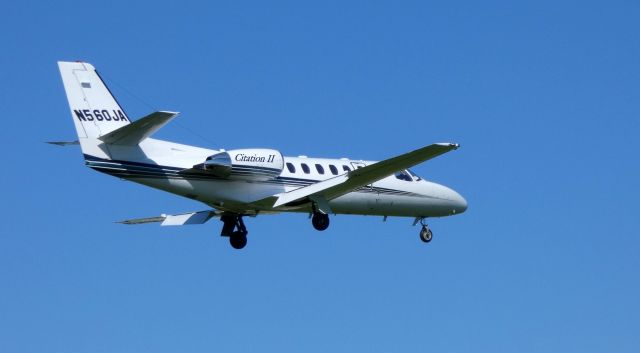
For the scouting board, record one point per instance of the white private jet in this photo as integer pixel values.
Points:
(245, 182)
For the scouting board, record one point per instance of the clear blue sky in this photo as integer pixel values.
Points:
(544, 98)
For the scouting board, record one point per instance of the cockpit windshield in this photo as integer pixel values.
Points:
(415, 176)
(407, 175)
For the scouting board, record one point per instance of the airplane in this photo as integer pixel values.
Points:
(245, 182)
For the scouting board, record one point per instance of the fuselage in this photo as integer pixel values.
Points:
(167, 166)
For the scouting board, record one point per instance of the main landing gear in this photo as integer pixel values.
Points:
(234, 229)
(425, 233)
(320, 220)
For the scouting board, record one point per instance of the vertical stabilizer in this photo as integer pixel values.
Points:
(94, 109)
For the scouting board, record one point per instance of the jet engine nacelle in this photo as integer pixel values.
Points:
(245, 164)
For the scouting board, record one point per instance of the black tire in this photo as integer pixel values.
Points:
(320, 221)
(426, 235)
(238, 240)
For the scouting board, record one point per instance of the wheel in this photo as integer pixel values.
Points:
(238, 240)
(426, 234)
(320, 221)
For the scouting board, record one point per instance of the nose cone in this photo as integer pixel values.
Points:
(442, 201)
(453, 202)
(459, 203)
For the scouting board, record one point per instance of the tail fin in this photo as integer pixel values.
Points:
(94, 110)
(100, 121)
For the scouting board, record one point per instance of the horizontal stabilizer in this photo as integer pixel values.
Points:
(134, 133)
(64, 143)
(177, 220)
(143, 220)
(342, 184)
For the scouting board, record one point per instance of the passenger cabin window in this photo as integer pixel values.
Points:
(333, 169)
(319, 169)
(305, 168)
(345, 168)
(291, 168)
(403, 175)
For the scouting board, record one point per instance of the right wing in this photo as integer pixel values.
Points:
(342, 184)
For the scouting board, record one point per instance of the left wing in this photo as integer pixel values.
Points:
(342, 184)
(177, 220)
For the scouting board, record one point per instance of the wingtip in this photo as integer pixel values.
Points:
(170, 112)
(455, 146)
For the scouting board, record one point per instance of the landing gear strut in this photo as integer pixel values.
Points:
(234, 229)
(320, 221)
(425, 233)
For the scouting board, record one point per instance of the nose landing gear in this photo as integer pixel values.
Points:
(426, 235)
(235, 229)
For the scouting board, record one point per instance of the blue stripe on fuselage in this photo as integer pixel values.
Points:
(130, 169)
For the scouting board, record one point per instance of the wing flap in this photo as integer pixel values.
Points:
(345, 183)
(134, 133)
